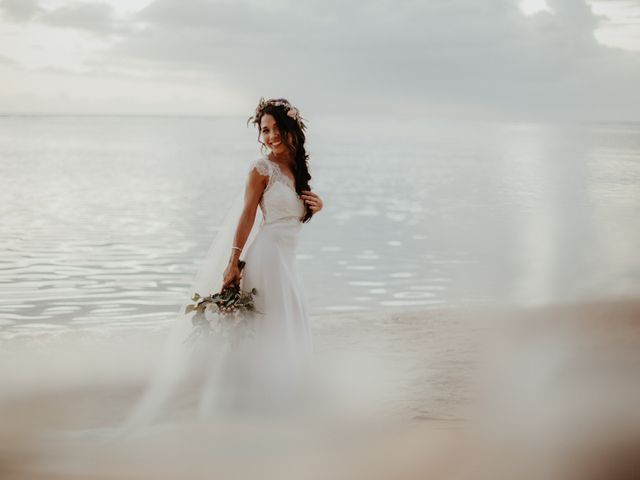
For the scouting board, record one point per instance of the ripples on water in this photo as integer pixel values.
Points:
(105, 219)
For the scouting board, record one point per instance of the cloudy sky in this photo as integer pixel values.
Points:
(531, 59)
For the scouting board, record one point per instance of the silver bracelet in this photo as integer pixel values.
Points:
(237, 248)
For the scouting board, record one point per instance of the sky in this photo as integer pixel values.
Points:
(489, 59)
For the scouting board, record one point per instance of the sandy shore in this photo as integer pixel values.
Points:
(537, 393)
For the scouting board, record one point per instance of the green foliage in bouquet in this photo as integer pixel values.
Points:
(233, 309)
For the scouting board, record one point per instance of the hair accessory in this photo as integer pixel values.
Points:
(290, 110)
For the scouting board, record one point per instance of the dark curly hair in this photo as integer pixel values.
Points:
(288, 121)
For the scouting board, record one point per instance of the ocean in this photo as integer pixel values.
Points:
(104, 219)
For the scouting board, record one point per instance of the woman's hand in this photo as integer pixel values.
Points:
(231, 275)
(313, 200)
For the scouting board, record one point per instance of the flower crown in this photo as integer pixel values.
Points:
(290, 109)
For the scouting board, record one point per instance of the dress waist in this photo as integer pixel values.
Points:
(289, 221)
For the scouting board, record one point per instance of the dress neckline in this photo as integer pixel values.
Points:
(289, 181)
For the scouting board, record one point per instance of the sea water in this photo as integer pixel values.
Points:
(104, 219)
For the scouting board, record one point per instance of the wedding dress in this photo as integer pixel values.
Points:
(260, 372)
(264, 371)
(271, 266)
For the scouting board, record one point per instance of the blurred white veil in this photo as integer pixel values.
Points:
(184, 377)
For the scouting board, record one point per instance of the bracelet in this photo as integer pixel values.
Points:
(237, 248)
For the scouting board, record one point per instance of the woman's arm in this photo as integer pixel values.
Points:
(256, 183)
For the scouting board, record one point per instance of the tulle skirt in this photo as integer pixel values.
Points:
(265, 371)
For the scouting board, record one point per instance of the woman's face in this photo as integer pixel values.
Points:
(271, 135)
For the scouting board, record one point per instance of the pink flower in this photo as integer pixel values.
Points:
(293, 113)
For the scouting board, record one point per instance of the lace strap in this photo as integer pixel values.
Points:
(272, 170)
(265, 168)
(262, 166)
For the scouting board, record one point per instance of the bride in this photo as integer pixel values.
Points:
(279, 183)
(261, 372)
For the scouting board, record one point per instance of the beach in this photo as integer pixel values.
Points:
(452, 212)
(470, 302)
(448, 384)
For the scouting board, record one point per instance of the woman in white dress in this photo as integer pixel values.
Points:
(278, 182)
(261, 371)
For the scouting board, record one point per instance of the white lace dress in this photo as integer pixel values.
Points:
(262, 371)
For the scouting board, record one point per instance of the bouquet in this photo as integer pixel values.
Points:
(233, 313)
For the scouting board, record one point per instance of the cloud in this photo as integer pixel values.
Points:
(93, 17)
(382, 55)
(622, 25)
(20, 10)
(7, 60)
(453, 57)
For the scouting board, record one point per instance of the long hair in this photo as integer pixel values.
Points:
(278, 108)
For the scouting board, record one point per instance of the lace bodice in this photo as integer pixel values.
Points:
(279, 200)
